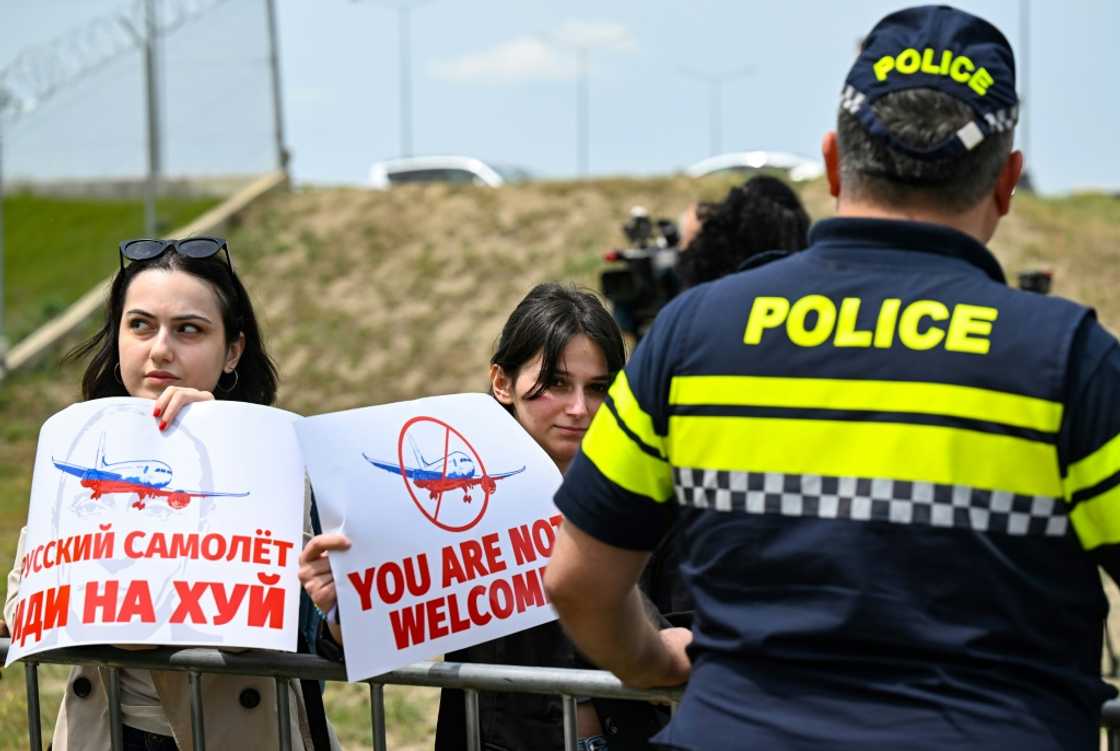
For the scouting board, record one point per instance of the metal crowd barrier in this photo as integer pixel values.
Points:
(282, 666)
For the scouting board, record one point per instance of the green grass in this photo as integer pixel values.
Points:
(57, 248)
(26, 400)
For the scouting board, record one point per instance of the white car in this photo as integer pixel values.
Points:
(797, 167)
(448, 169)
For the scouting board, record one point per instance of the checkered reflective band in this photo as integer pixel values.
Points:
(870, 500)
(1002, 120)
(851, 100)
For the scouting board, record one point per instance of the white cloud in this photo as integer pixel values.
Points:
(525, 58)
(596, 35)
(541, 57)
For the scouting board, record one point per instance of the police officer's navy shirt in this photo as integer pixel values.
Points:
(896, 477)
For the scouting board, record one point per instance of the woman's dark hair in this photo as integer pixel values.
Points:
(762, 214)
(545, 321)
(256, 373)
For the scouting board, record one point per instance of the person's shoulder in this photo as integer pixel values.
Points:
(1093, 343)
(1052, 304)
(761, 271)
(1036, 315)
(679, 312)
(777, 265)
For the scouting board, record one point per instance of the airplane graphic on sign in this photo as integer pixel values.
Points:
(457, 467)
(147, 478)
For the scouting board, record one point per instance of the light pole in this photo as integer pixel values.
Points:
(404, 8)
(146, 39)
(715, 83)
(583, 98)
(277, 101)
(1024, 87)
(579, 40)
(5, 100)
(583, 114)
(155, 156)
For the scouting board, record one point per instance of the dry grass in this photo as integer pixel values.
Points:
(409, 715)
(372, 297)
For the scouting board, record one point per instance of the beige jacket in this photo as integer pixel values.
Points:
(239, 712)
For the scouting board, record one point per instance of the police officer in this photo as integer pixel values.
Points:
(896, 475)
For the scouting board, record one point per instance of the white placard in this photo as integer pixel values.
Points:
(189, 536)
(447, 502)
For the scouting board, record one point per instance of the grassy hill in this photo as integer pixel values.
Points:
(56, 248)
(370, 297)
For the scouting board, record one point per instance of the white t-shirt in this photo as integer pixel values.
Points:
(140, 707)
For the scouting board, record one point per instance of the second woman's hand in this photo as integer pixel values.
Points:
(173, 399)
(315, 570)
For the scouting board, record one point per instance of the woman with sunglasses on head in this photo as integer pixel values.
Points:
(179, 328)
(556, 357)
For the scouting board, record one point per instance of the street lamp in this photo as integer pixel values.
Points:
(6, 100)
(715, 83)
(277, 100)
(1024, 87)
(582, 52)
(579, 39)
(146, 39)
(583, 114)
(404, 8)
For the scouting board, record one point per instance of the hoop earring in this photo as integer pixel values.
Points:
(117, 373)
(232, 385)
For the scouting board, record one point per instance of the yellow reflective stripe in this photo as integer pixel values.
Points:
(632, 414)
(1097, 520)
(865, 449)
(623, 462)
(881, 396)
(1097, 466)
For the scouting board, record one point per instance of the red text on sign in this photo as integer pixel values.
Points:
(446, 615)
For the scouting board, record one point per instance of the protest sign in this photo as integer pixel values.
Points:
(189, 536)
(448, 505)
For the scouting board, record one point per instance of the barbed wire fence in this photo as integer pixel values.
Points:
(155, 90)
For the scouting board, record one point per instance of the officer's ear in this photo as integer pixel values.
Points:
(830, 149)
(1007, 180)
(501, 384)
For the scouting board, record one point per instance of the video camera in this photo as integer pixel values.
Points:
(647, 279)
(1036, 280)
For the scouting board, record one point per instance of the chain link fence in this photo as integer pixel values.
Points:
(75, 109)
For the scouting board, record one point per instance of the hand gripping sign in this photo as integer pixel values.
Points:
(448, 505)
(186, 537)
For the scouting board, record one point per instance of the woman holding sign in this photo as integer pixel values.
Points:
(556, 357)
(180, 328)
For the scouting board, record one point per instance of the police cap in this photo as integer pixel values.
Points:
(942, 48)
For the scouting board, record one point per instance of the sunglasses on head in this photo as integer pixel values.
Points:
(194, 247)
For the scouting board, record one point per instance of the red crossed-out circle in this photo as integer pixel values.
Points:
(485, 487)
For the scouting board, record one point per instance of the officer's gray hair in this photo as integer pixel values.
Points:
(872, 170)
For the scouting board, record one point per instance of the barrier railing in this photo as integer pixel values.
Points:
(282, 666)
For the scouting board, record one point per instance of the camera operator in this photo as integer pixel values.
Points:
(692, 220)
(758, 221)
(761, 215)
(647, 280)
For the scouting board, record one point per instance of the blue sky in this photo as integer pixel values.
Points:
(497, 79)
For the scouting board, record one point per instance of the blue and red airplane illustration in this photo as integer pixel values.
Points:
(147, 478)
(455, 470)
